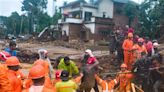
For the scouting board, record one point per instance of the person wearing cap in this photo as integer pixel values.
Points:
(5, 85)
(58, 79)
(89, 59)
(127, 47)
(43, 54)
(11, 49)
(107, 84)
(67, 64)
(90, 62)
(124, 79)
(37, 75)
(66, 85)
(142, 48)
(14, 76)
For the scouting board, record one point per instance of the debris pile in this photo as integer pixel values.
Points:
(27, 56)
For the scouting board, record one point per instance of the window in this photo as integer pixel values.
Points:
(104, 14)
(88, 16)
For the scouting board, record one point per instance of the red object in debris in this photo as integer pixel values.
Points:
(4, 55)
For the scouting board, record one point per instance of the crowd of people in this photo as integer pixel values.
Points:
(67, 75)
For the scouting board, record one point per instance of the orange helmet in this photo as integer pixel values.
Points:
(123, 65)
(140, 40)
(12, 61)
(36, 72)
(57, 74)
(130, 35)
(39, 62)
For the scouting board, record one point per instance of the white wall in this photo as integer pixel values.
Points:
(65, 28)
(106, 6)
(91, 26)
(87, 9)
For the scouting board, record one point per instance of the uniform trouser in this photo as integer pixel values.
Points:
(96, 87)
(156, 85)
(127, 58)
(126, 88)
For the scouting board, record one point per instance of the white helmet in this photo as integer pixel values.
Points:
(155, 44)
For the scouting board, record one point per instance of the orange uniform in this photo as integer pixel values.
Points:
(5, 85)
(15, 80)
(106, 86)
(127, 47)
(19, 72)
(125, 81)
(143, 49)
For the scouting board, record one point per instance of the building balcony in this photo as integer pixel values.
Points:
(70, 20)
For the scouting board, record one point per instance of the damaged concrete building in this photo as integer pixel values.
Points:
(82, 21)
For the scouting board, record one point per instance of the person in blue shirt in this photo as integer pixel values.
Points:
(11, 49)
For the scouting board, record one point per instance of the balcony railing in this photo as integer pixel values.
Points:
(70, 20)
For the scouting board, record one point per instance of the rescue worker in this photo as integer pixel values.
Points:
(155, 48)
(67, 64)
(66, 85)
(127, 47)
(124, 79)
(37, 74)
(157, 74)
(28, 82)
(91, 63)
(135, 55)
(148, 45)
(43, 54)
(14, 76)
(141, 45)
(107, 84)
(5, 85)
(57, 77)
(90, 59)
(11, 49)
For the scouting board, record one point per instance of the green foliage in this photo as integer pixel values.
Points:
(151, 17)
(44, 20)
(131, 10)
(56, 16)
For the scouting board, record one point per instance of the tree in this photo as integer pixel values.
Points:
(56, 17)
(44, 20)
(131, 11)
(151, 17)
(34, 8)
(13, 23)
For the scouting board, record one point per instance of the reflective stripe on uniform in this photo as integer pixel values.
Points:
(115, 81)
